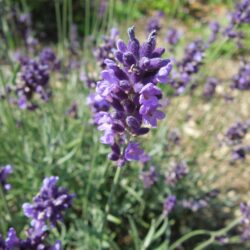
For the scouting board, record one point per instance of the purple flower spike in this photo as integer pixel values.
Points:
(242, 80)
(210, 88)
(149, 177)
(154, 22)
(33, 79)
(194, 205)
(240, 153)
(215, 28)
(49, 203)
(12, 240)
(4, 173)
(127, 99)
(176, 173)
(173, 36)
(105, 50)
(245, 221)
(240, 15)
(169, 204)
(188, 66)
(236, 133)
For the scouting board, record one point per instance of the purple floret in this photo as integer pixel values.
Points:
(4, 173)
(133, 152)
(169, 204)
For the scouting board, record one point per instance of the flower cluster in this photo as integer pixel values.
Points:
(240, 153)
(234, 136)
(129, 86)
(4, 173)
(245, 221)
(73, 38)
(236, 132)
(188, 66)
(199, 203)
(176, 173)
(33, 242)
(154, 23)
(242, 80)
(149, 177)
(23, 22)
(105, 50)
(73, 111)
(241, 15)
(47, 209)
(194, 205)
(48, 57)
(173, 36)
(34, 79)
(174, 136)
(169, 204)
(215, 28)
(210, 88)
(49, 203)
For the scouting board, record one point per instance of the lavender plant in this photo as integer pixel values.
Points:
(191, 204)
(46, 210)
(129, 85)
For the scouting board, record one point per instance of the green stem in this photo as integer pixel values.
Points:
(5, 204)
(108, 205)
(90, 176)
(58, 24)
(86, 26)
(64, 23)
(187, 237)
(216, 234)
(213, 235)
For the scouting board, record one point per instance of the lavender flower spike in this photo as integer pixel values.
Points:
(176, 173)
(33, 79)
(242, 80)
(4, 173)
(169, 204)
(129, 87)
(149, 177)
(245, 221)
(49, 203)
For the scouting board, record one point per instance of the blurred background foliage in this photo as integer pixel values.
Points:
(48, 16)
